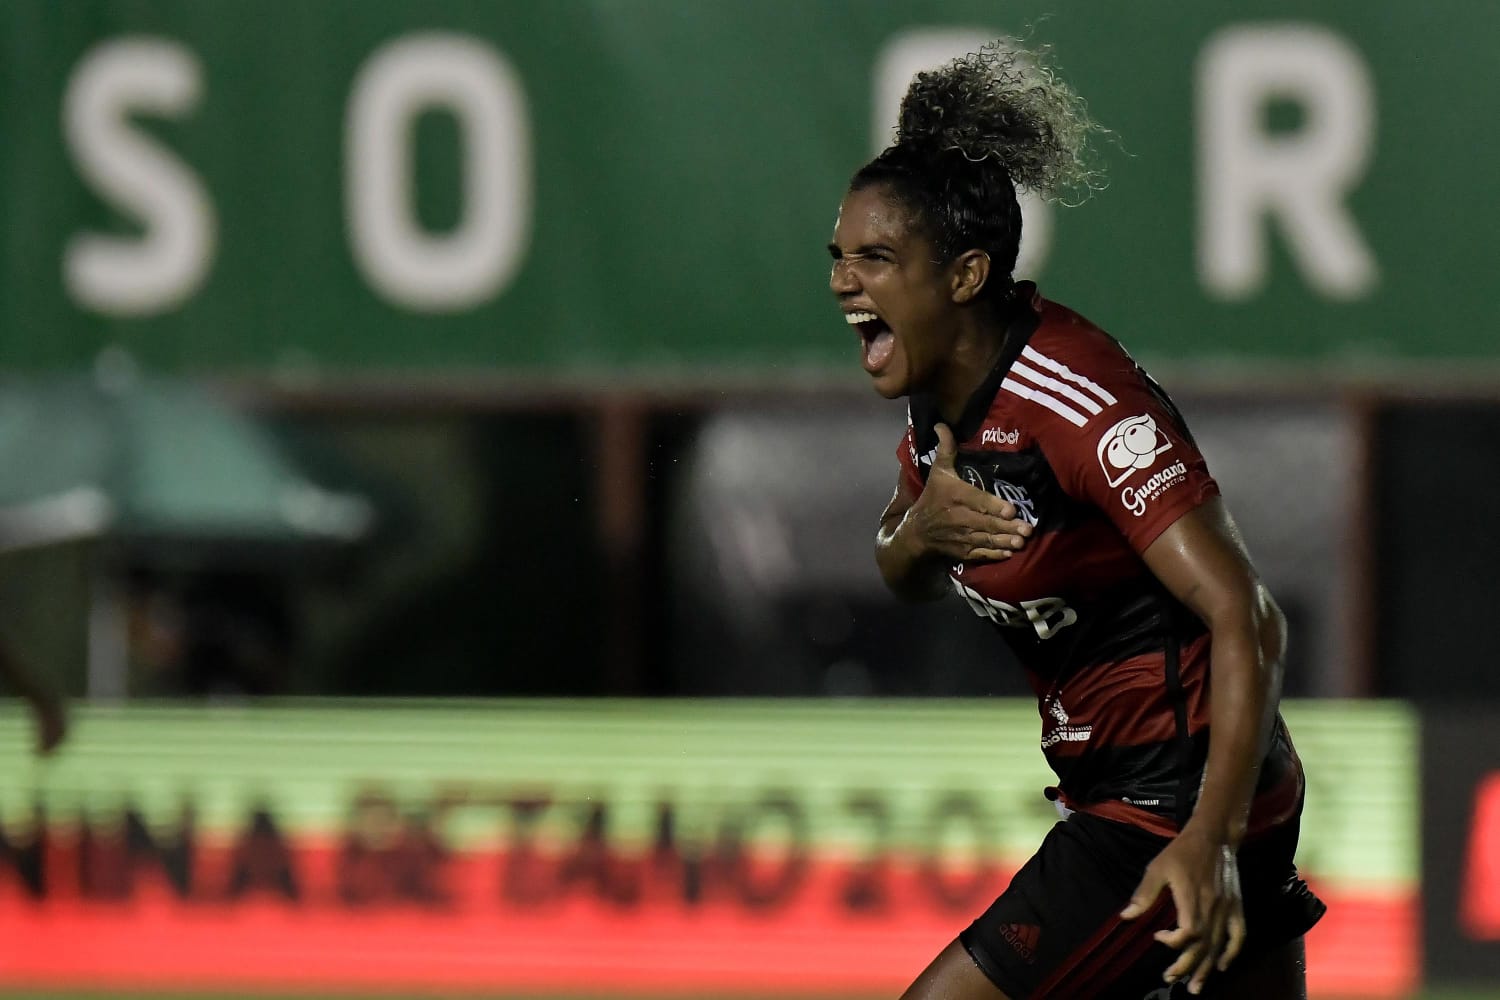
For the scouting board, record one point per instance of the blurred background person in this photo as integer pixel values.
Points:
(45, 702)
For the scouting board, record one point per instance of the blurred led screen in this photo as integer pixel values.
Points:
(596, 847)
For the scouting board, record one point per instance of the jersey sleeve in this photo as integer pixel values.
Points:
(1129, 453)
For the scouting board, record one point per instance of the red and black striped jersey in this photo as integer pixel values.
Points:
(1094, 454)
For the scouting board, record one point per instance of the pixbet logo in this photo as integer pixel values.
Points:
(994, 435)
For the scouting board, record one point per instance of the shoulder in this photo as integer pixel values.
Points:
(1081, 390)
(1065, 337)
(1070, 370)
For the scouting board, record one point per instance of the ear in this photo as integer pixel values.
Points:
(971, 269)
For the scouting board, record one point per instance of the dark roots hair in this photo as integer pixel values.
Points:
(970, 134)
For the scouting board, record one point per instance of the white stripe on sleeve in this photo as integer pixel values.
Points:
(1032, 354)
(1058, 388)
(1051, 402)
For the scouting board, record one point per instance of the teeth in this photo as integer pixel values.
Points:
(860, 317)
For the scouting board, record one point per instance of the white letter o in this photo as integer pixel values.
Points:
(410, 266)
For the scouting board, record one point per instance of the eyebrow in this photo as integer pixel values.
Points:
(860, 251)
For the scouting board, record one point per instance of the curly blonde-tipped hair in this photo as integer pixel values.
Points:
(1007, 104)
(974, 130)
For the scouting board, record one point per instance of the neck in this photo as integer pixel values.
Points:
(980, 341)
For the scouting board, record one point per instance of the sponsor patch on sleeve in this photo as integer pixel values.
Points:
(1130, 446)
(1136, 498)
(1126, 451)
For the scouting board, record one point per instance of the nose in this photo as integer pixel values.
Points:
(842, 279)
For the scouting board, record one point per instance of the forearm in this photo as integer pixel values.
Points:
(1245, 658)
(16, 679)
(46, 704)
(912, 573)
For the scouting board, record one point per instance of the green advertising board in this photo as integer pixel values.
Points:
(702, 848)
(846, 769)
(593, 188)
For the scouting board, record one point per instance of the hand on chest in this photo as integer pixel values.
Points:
(1022, 478)
(1069, 534)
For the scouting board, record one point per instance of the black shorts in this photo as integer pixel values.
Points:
(1055, 932)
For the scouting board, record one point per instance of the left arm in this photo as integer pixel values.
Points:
(1137, 463)
(1202, 560)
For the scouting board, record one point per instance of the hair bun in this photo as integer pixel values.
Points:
(1005, 103)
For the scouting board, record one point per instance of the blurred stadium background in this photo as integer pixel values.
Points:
(433, 469)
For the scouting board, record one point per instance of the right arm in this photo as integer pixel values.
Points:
(910, 572)
(949, 521)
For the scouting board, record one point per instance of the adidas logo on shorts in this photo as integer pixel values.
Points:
(1023, 938)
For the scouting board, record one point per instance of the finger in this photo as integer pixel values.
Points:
(962, 496)
(1236, 927)
(1177, 938)
(987, 555)
(983, 531)
(1201, 974)
(947, 449)
(1186, 901)
(1188, 936)
(1002, 534)
(1186, 962)
(990, 505)
(1003, 516)
(1210, 954)
(1145, 894)
(1017, 541)
(1005, 541)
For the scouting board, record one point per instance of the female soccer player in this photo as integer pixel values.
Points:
(1052, 483)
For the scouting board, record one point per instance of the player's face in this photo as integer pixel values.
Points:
(892, 290)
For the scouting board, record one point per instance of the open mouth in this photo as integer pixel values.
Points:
(876, 338)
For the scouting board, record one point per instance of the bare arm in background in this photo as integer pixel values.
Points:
(46, 704)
